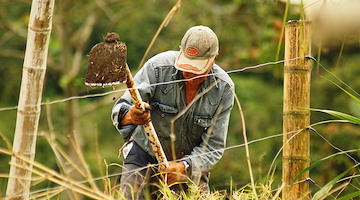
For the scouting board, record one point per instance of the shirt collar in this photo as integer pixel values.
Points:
(208, 81)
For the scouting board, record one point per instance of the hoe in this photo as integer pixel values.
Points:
(107, 67)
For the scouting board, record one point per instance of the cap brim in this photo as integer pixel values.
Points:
(185, 64)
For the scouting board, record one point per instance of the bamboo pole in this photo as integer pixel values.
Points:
(296, 139)
(28, 112)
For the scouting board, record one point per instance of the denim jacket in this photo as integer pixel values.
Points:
(200, 132)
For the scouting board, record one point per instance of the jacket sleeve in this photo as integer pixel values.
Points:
(209, 152)
(143, 80)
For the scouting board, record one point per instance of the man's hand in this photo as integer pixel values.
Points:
(175, 173)
(137, 116)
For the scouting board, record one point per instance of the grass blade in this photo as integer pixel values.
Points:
(320, 161)
(339, 115)
(347, 92)
(350, 196)
(326, 189)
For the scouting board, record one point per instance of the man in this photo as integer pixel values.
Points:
(200, 132)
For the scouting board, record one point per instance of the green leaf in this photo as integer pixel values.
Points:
(350, 196)
(320, 161)
(348, 93)
(340, 115)
(326, 189)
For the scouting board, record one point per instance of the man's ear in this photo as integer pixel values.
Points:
(216, 56)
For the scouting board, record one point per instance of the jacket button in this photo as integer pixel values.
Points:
(162, 115)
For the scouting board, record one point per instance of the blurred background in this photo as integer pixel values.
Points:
(250, 33)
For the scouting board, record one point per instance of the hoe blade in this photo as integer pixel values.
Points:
(107, 63)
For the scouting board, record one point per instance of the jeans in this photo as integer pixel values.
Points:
(137, 173)
(134, 183)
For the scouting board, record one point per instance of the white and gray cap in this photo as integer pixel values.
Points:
(199, 48)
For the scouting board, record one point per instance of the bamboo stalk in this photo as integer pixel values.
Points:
(297, 74)
(28, 113)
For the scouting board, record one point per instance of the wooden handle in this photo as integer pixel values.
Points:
(149, 128)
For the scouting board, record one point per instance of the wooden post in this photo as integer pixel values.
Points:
(28, 112)
(296, 139)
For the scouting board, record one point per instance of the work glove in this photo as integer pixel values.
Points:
(175, 173)
(137, 115)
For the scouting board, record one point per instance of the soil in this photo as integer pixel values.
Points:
(107, 62)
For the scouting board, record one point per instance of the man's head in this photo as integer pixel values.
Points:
(199, 49)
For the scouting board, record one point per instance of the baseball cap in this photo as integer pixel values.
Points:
(199, 48)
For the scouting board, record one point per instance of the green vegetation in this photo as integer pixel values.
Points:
(77, 134)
